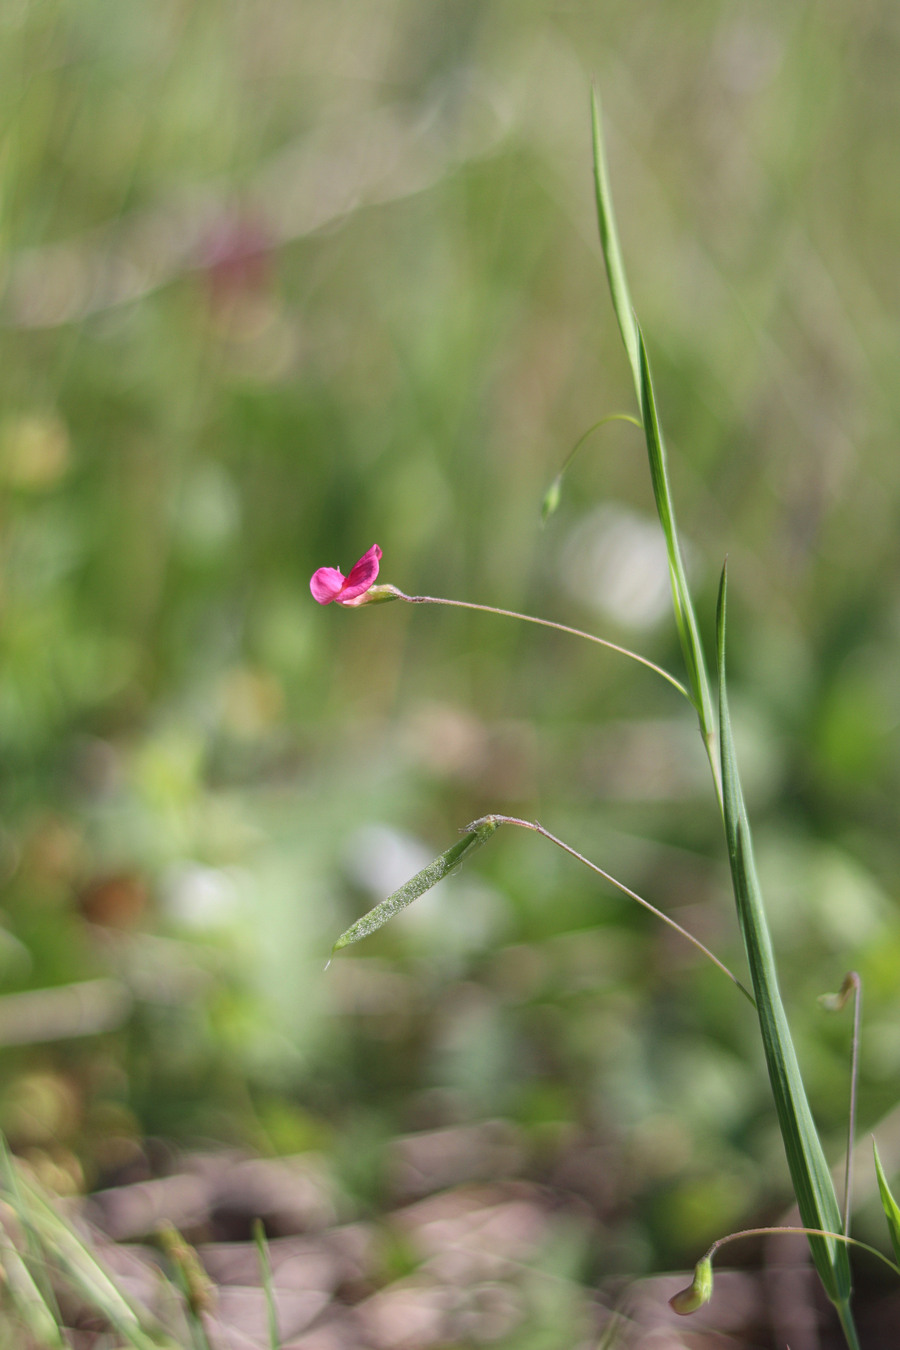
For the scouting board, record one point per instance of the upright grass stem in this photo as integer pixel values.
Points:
(685, 619)
(810, 1177)
(806, 1160)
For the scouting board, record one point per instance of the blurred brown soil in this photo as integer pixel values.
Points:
(464, 1258)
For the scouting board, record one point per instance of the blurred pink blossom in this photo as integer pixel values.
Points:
(236, 256)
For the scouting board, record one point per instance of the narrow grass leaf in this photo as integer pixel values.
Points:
(612, 252)
(28, 1302)
(635, 348)
(65, 1249)
(684, 610)
(265, 1272)
(416, 886)
(806, 1161)
(9, 1176)
(888, 1204)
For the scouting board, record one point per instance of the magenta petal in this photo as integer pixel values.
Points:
(361, 576)
(326, 584)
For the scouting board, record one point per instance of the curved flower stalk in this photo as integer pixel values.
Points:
(328, 584)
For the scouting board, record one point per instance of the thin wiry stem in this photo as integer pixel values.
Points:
(813, 1232)
(854, 1073)
(854, 979)
(551, 496)
(626, 890)
(610, 417)
(544, 623)
(852, 984)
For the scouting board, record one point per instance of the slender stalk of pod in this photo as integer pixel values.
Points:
(699, 1291)
(475, 834)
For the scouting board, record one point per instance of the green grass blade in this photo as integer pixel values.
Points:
(416, 886)
(888, 1204)
(28, 1302)
(34, 1253)
(612, 252)
(632, 337)
(806, 1161)
(265, 1272)
(64, 1250)
(684, 610)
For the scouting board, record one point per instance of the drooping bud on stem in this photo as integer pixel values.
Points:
(698, 1292)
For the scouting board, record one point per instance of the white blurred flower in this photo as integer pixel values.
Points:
(198, 897)
(615, 560)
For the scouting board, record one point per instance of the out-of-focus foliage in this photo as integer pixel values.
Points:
(284, 280)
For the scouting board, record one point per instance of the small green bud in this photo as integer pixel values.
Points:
(697, 1293)
(551, 499)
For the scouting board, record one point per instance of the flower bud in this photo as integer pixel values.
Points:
(551, 499)
(697, 1293)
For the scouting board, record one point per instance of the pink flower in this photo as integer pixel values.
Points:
(329, 584)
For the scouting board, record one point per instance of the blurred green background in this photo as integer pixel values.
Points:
(280, 281)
